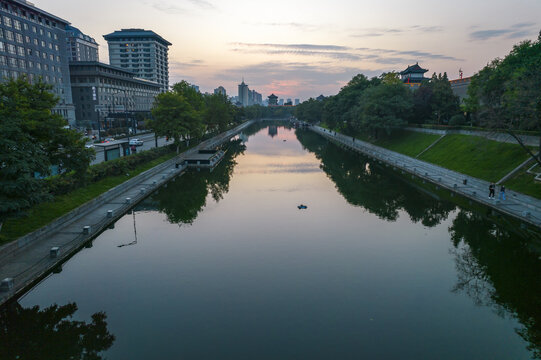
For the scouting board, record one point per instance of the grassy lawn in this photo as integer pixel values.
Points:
(407, 142)
(525, 183)
(476, 156)
(42, 214)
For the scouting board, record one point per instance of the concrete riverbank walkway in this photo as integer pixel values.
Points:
(28, 259)
(523, 207)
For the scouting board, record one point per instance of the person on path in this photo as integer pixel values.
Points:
(502, 193)
(491, 191)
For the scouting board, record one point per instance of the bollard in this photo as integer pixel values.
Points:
(7, 284)
(154, 183)
(128, 200)
(54, 252)
(426, 174)
(465, 182)
(142, 191)
(439, 179)
(455, 186)
(163, 176)
(86, 230)
(109, 214)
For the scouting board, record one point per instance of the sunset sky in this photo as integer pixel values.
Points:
(300, 49)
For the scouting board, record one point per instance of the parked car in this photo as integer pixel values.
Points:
(136, 142)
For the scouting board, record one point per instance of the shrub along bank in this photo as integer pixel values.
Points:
(71, 192)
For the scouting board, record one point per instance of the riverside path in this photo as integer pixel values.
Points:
(523, 207)
(25, 261)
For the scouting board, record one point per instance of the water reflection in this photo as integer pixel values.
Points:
(372, 188)
(495, 263)
(184, 198)
(51, 334)
(498, 269)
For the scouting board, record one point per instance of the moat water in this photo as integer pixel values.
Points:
(223, 265)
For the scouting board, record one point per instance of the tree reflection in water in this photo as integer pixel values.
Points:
(51, 334)
(186, 196)
(373, 188)
(497, 268)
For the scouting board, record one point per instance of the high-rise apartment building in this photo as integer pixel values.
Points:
(244, 94)
(142, 52)
(81, 47)
(33, 43)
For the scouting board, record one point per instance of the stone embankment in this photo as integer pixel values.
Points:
(520, 206)
(25, 261)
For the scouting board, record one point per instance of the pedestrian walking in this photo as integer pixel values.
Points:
(491, 191)
(502, 193)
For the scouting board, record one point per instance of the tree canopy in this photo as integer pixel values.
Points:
(33, 139)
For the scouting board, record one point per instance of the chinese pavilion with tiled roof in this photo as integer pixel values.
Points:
(413, 75)
(273, 100)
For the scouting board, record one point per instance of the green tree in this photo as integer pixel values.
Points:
(506, 94)
(32, 140)
(443, 101)
(218, 112)
(384, 107)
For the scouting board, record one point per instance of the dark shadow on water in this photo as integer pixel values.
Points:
(51, 333)
(364, 184)
(498, 264)
(184, 198)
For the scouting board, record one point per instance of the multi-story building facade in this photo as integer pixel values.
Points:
(81, 47)
(142, 52)
(100, 89)
(33, 44)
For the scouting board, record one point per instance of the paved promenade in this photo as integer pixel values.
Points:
(523, 207)
(28, 259)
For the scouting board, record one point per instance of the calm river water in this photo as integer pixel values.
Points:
(223, 265)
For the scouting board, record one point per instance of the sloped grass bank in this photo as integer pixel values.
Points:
(476, 156)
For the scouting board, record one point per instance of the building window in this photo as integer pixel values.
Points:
(3, 60)
(17, 25)
(12, 49)
(12, 62)
(20, 50)
(7, 21)
(9, 35)
(19, 38)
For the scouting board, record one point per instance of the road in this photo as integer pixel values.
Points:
(149, 143)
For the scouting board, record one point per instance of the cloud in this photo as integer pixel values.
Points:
(376, 32)
(170, 7)
(516, 31)
(186, 64)
(343, 53)
(294, 25)
(295, 46)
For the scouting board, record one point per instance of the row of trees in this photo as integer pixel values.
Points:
(33, 140)
(383, 103)
(184, 113)
(506, 94)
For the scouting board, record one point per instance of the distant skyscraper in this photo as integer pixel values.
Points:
(281, 102)
(220, 90)
(297, 102)
(141, 51)
(195, 87)
(81, 47)
(244, 94)
(289, 100)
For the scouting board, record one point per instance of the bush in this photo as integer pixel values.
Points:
(457, 119)
(66, 183)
